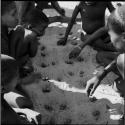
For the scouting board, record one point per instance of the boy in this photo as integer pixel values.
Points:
(93, 18)
(116, 30)
(19, 42)
(14, 44)
(92, 15)
(9, 79)
(28, 10)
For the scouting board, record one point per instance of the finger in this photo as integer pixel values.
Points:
(89, 88)
(94, 88)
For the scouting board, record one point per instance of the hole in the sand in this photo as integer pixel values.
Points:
(46, 88)
(71, 73)
(69, 62)
(48, 107)
(43, 65)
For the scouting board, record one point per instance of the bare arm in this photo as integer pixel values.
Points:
(70, 24)
(94, 82)
(94, 36)
(107, 69)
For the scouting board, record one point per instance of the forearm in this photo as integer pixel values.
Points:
(94, 36)
(106, 70)
(70, 24)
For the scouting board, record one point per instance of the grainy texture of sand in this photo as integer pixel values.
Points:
(59, 106)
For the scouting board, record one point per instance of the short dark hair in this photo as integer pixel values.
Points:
(117, 20)
(6, 6)
(9, 68)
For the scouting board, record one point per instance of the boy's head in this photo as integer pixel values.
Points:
(116, 28)
(9, 13)
(9, 72)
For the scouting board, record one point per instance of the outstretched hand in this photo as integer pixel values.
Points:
(75, 52)
(92, 84)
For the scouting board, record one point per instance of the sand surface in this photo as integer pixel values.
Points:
(62, 99)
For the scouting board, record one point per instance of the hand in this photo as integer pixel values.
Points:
(75, 52)
(92, 84)
(62, 41)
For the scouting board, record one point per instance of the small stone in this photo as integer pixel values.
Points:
(70, 73)
(48, 108)
(96, 113)
(44, 65)
(80, 59)
(69, 62)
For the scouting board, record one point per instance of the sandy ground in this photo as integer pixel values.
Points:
(63, 99)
